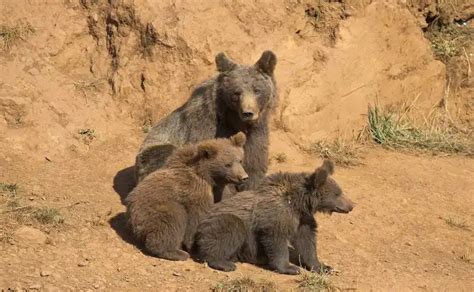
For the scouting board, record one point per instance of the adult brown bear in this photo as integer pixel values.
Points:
(238, 98)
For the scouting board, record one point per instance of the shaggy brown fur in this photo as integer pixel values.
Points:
(257, 225)
(165, 208)
(239, 98)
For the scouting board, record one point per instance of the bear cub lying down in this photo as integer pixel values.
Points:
(165, 208)
(256, 226)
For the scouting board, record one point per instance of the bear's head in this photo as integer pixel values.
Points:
(246, 92)
(330, 197)
(220, 160)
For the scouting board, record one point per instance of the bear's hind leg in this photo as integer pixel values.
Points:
(218, 240)
(166, 238)
(276, 248)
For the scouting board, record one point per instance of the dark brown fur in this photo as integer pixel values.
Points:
(258, 225)
(239, 98)
(165, 208)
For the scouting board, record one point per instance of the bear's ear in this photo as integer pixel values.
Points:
(207, 151)
(267, 62)
(322, 173)
(223, 63)
(238, 139)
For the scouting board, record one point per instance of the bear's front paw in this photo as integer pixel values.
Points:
(289, 270)
(225, 266)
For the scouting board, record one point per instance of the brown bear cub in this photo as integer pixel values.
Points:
(258, 225)
(165, 208)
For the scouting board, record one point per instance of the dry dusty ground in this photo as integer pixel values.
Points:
(396, 238)
(81, 80)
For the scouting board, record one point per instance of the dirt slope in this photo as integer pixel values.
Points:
(76, 91)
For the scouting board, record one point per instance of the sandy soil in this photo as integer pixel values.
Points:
(115, 66)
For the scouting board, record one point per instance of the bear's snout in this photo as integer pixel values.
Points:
(247, 115)
(345, 205)
(243, 178)
(249, 107)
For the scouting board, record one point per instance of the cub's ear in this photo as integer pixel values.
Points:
(267, 62)
(207, 151)
(322, 173)
(238, 139)
(328, 165)
(223, 63)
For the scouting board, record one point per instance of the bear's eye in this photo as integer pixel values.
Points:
(228, 165)
(236, 96)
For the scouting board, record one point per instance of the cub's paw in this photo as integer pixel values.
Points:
(225, 266)
(289, 270)
(175, 255)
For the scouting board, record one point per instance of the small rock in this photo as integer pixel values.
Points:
(83, 263)
(34, 71)
(177, 274)
(95, 17)
(409, 243)
(29, 235)
(45, 273)
(96, 286)
(35, 287)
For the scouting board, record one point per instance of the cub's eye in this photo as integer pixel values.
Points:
(228, 165)
(240, 161)
(257, 91)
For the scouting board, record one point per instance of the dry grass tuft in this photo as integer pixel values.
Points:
(9, 188)
(456, 223)
(465, 258)
(315, 282)
(280, 157)
(48, 216)
(343, 152)
(245, 284)
(90, 85)
(11, 34)
(448, 41)
(87, 135)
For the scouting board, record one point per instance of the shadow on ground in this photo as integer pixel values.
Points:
(124, 181)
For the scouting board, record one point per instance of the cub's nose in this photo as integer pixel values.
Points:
(247, 115)
(244, 178)
(350, 205)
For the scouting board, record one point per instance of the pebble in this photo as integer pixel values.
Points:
(45, 273)
(34, 71)
(177, 274)
(35, 287)
(83, 263)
